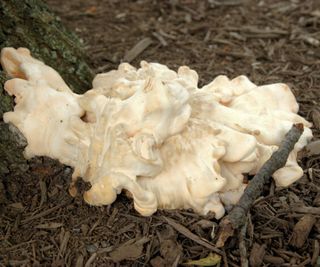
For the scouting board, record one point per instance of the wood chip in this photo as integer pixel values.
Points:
(157, 262)
(3, 198)
(277, 261)
(19, 262)
(64, 242)
(17, 206)
(242, 246)
(50, 225)
(137, 49)
(126, 228)
(316, 118)
(43, 213)
(306, 210)
(316, 201)
(305, 262)
(227, 2)
(160, 38)
(90, 260)
(187, 233)
(316, 251)
(233, 54)
(313, 148)
(112, 217)
(256, 255)
(301, 230)
(79, 262)
(43, 190)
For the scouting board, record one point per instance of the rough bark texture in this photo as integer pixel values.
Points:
(237, 217)
(29, 23)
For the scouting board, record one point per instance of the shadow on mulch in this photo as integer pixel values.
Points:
(269, 41)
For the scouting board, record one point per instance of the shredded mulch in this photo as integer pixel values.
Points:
(269, 41)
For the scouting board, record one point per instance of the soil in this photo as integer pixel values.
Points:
(269, 41)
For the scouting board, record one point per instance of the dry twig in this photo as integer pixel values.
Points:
(237, 217)
(242, 246)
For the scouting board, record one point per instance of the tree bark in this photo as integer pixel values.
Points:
(30, 24)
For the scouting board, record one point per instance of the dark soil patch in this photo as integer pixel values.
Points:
(269, 41)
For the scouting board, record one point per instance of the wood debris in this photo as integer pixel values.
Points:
(137, 49)
(301, 230)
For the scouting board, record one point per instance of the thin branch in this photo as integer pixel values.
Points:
(237, 217)
(242, 246)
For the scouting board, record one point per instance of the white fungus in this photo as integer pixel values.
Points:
(153, 132)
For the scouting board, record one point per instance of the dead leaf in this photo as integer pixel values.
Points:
(129, 251)
(212, 260)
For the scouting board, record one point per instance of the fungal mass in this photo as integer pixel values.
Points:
(153, 132)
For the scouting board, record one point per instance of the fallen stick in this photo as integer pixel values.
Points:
(237, 217)
(242, 246)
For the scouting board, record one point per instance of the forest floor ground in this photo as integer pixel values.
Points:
(269, 41)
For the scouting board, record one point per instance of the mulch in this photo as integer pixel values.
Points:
(269, 41)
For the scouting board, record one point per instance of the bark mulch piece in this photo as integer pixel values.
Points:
(269, 41)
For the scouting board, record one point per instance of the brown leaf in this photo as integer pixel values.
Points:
(129, 251)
